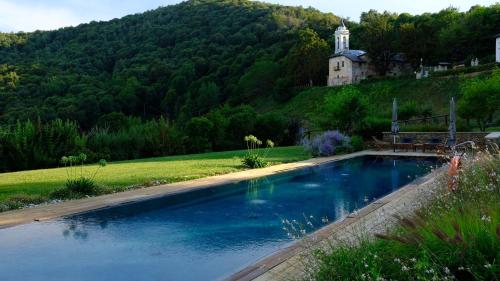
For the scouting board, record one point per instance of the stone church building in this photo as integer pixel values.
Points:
(497, 48)
(348, 66)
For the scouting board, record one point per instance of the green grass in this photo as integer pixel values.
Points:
(118, 175)
(432, 92)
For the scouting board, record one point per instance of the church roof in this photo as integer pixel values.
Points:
(353, 55)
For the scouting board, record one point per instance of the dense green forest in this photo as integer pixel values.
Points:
(198, 72)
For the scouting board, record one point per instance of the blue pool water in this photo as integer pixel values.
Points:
(201, 235)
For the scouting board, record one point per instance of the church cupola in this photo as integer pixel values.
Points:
(341, 38)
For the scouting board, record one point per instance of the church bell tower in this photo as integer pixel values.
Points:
(341, 38)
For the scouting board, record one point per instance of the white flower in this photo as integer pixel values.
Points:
(446, 270)
(405, 268)
(413, 260)
(397, 260)
(487, 265)
(366, 265)
(486, 218)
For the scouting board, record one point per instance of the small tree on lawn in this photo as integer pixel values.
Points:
(480, 99)
(344, 110)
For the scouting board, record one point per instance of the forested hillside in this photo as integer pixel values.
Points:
(196, 76)
(182, 59)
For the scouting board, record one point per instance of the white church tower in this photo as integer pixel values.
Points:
(498, 48)
(341, 38)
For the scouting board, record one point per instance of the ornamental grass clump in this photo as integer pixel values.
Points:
(80, 182)
(456, 236)
(255, 156)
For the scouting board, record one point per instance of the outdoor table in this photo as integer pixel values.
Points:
(417, 146)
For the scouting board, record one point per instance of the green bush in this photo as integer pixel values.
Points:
(254, 161)
(374, 126)
(357, 143)
(30, 145)
(344, 110)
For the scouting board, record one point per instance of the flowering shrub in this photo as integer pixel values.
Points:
(256, 157)
(327, 143)
(78, 182)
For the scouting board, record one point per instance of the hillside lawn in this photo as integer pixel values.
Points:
(432, 92)
(37, 184)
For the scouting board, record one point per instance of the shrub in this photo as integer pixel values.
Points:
(357, 143)
(326, 143)
(344, 110)
(30, 145)
(374, 126)
(78, 182)
(198, 129)
(255, 157)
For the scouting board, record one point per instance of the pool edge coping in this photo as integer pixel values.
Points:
(73, 207)
(266, 264)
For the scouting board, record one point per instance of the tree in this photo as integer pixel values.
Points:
(308, 60)
(208, 97)
(378, 38)
(480, 99)
(257, 81)
(198, 129)
(344, 110)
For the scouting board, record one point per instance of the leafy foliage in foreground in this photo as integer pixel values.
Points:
(457, 237)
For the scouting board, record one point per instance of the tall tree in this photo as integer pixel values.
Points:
(378, 38)
(308, 60)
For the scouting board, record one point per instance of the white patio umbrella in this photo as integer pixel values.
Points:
(452, 128)
(394, 125)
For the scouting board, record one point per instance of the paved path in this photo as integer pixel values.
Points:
(51, 211)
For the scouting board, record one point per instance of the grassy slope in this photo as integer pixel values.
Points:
(127, 173)
(433, 92)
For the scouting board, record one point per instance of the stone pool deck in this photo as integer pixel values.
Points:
(51, 211)
(296, 261)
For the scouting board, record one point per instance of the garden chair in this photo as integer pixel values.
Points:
(380, 145)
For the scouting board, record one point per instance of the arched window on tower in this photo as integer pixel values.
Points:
(345, 42)
(338, 43)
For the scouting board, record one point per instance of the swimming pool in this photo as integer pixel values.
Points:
(199, 235)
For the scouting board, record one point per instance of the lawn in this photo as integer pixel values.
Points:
(118, 175)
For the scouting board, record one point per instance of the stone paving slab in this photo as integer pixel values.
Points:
(291, 263)
(51, 211)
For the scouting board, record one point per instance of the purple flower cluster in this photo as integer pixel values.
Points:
(326, 144)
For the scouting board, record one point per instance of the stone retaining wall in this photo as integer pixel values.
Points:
(422, 137)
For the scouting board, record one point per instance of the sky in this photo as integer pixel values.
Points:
(30, 15)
